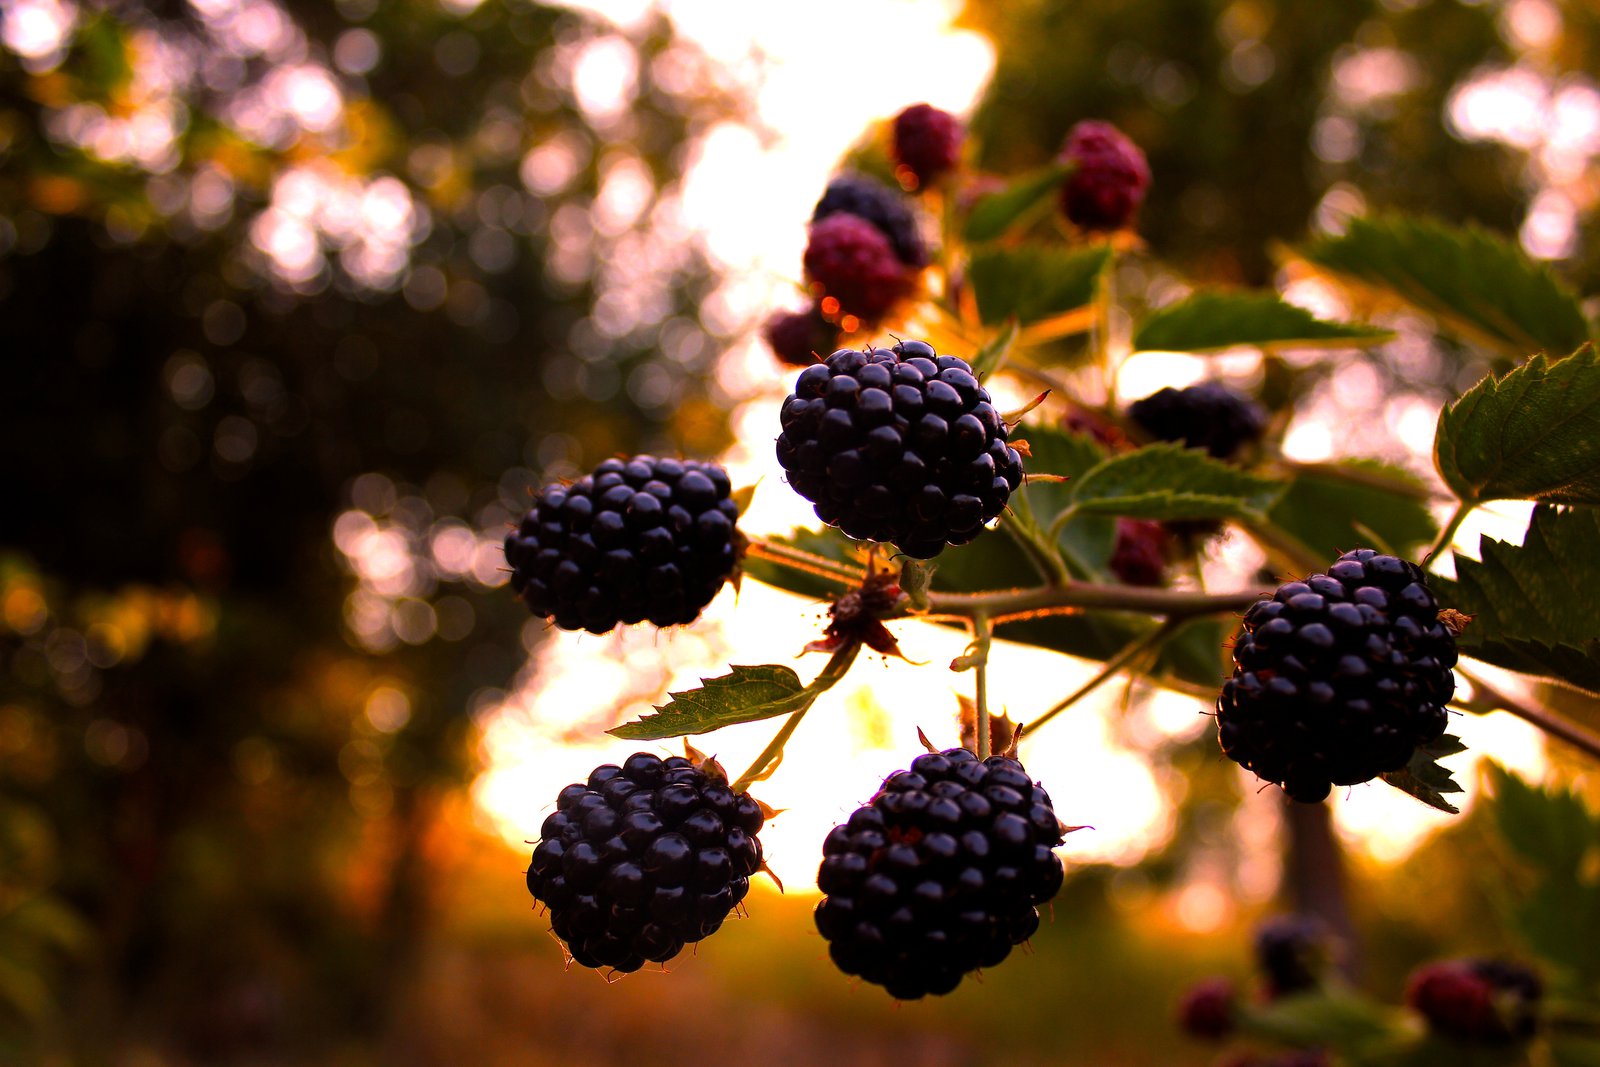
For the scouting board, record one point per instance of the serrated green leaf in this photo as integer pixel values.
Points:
(1551, 828)
(1031, 283)
(1212, 319)
(1330, 509)
(993, 355)
(1425, 778)
(1478, 285)
(1533, 434)
(1168, 481)
(745, 695)
(997, 212)
(1533, 606)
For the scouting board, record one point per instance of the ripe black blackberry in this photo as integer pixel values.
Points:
(1209, 416)
(643, 859)
(900, 445)
(1338, 678)
(1293, 954)
(885, 208)
(638, 539)
(940, 874)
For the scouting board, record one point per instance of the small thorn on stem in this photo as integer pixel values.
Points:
(929, 745)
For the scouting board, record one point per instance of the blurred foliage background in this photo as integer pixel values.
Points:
(298, 301)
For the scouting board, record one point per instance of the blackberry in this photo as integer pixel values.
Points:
(927, 142)
(1293, 953)
(1209, 416)
(1108, 184)
(940, 874)
(1207, 1009)
(799, 338)
(898, 445)
(1139, 556)
(1339, 677)
(643, 859)
(885, 208)
(641, 538)
(848, 260)
(1476, 1000)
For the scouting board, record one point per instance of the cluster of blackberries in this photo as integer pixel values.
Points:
(1477, 1001)
(644, 858)
(1209, 416)
(940, 874)
(638, 539)
(1109, 177)
(1338, 678)
(899, 445)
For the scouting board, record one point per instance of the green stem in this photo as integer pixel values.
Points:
(1023, 528)
(1113, 667)
(836, 668)
(1577, 736)
(978, 659)
(1448, 534)
(1363, 476)
(1286, 546)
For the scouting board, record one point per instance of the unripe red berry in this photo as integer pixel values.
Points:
(927, 142)
(850, 260)
(1207, 1009)
(1108, 185)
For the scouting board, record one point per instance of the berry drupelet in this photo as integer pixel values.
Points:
(940, 874)
(644, 858)
(1108, 180)
(639, 539)
(1209, 416)
(900, 445)
(1338, 678)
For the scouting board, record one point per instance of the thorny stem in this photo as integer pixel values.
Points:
(835, 669)
(1554, 725)
(1448, 534)
(1131, 651)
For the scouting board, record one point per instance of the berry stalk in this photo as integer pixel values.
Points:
(837, 667)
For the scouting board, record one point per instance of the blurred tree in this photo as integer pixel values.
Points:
(269, 273)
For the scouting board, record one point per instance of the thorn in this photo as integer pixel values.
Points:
(1028, 477)
(929, 745)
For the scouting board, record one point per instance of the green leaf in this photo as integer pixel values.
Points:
(1168, 481)
(1332, 509)
(1032, 283)
(829, 543)
(1425, 778)
(1477, 285)
(1533, 434)
(1212, 319)
(1551, 828)
(1339, 1020)
(1567, 1050)
(745, 695)
(1533, 605)
(1560, 921)
(993, 355)
(997, 212)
